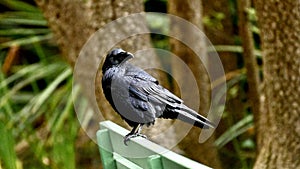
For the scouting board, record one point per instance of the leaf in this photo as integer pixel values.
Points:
(22, 14)
(23, 21)
(230, 48)
(26, 41)
(30, 111)
(239, 128)
(19, 5)
(24, 31)
(21, 73)
(7, 151)
(37, 73)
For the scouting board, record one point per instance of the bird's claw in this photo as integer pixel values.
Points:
(130, 136)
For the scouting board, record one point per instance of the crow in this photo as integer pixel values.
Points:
(139, 98)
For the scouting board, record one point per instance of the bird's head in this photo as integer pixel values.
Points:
(116, 57)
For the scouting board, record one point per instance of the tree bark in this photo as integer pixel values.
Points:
(249, 58)
(191, 11)
(280, 35)
(73, 22)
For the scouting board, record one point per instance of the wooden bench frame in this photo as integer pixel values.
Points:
(139, 154)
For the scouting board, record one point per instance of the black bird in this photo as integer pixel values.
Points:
(139, 99)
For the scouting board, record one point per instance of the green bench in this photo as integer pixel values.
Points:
(139, 154)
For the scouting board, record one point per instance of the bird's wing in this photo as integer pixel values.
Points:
(139, 74)
(146, 92)
(144, 84)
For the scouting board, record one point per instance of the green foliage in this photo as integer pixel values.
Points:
(237, 129)
(7, 153)
(22, 24)
(215, 20)
(38, 125)
(19, 5)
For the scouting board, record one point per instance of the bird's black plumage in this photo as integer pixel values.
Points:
(138, 97)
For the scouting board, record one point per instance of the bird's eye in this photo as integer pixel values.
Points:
(114, 61)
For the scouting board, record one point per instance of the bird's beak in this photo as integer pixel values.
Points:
(129, 55)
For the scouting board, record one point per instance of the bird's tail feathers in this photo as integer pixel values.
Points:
(188, 115)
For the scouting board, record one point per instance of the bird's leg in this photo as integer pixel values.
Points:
(135, 132)
(130, 135)
(138, 133)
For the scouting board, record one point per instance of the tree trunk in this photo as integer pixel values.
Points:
(191, 11)
(73, 22)
(249, 58)
(280, 35)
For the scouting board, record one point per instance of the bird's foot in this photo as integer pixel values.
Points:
(130, 136)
